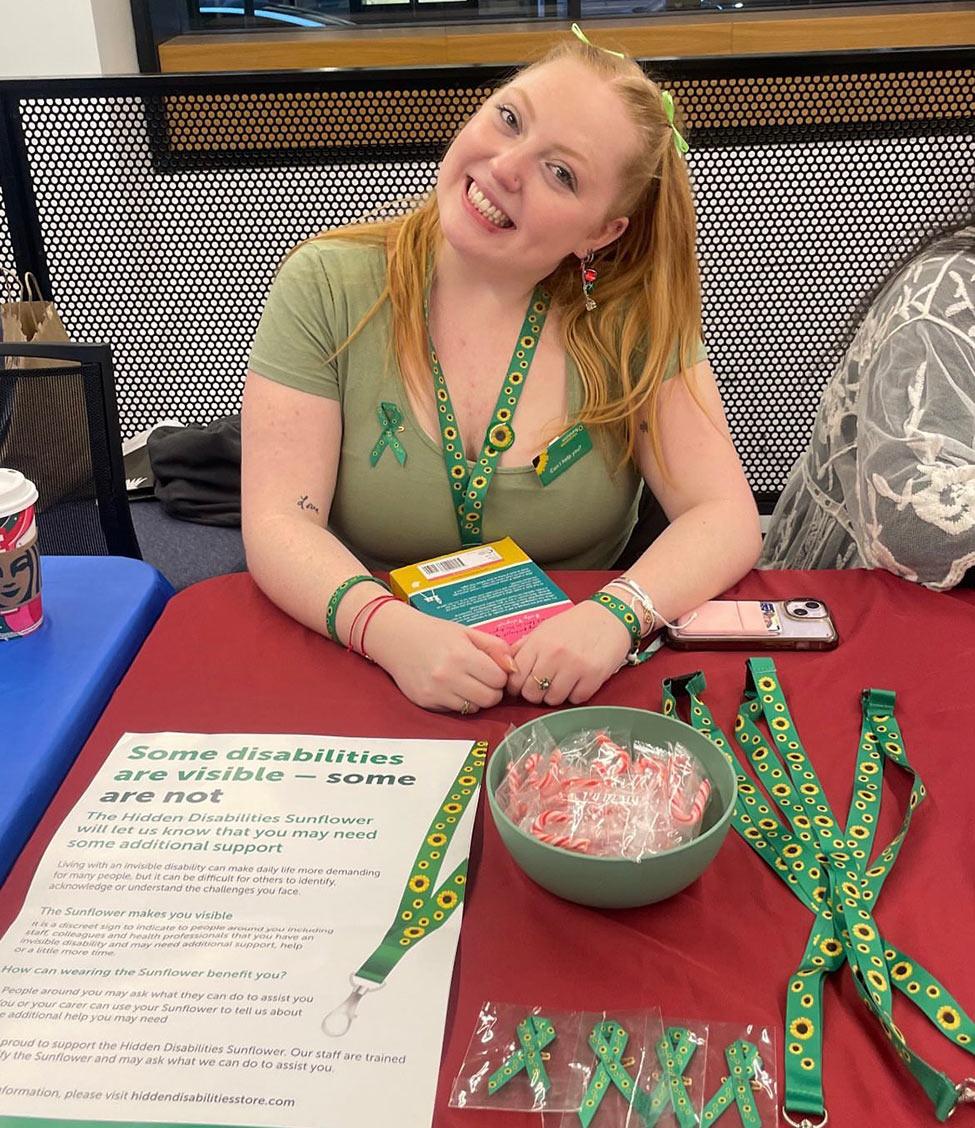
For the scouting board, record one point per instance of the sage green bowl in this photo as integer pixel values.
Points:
(618, 883)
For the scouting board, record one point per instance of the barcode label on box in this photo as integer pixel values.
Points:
(462, 562)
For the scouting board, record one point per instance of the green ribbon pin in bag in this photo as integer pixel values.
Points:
(674, 1052)
(608, 1041)
(534, 1033)
(736, 1090)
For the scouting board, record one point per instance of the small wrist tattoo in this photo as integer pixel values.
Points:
(304, 503)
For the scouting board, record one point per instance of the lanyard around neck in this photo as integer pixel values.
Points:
(828, 868)
(469, 487)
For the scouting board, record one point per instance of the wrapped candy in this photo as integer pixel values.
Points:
(601, 794)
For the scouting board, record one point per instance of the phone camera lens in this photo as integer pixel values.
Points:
(812, 604)
(799, 611)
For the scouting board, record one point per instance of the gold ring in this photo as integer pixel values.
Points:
(542, 683)
(465, 708)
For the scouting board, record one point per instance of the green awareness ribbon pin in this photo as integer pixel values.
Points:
(424, 905)
(390, 423)
(736, 1090)
(608, 1041)
(828, 868)
(674, 1051)
(534, 1033)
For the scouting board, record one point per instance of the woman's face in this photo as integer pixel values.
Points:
(19, 577)
(533, 175)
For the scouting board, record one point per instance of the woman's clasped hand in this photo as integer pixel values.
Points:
(440, 664)
(518, 356)
(568, 657)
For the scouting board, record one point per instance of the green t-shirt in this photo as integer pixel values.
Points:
(390, 515)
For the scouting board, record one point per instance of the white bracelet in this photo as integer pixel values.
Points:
(650, 613)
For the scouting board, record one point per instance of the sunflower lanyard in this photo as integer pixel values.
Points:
(424, 906)
(470, 486)
(828, 871)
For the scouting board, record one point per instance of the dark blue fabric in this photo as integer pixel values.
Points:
(55, 682)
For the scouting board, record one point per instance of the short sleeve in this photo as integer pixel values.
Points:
(673, 365)
(296, 334)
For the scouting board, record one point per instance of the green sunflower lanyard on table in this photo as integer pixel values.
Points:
(424, 905)
(829, 871)
(470, 486)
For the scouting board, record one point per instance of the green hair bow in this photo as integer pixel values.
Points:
(679, 143)
(581, 35)
(666, 97)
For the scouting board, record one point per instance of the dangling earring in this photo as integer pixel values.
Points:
(588, 280)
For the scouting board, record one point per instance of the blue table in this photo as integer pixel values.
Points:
(55, 683)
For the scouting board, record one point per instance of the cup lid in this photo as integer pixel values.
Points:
(16, 492)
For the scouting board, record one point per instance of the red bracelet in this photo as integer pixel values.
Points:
(376, 604)
(358, 615)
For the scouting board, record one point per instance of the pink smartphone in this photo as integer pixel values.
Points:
(759, 624)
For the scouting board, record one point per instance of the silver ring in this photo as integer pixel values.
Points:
(465, 708)
(542, 683)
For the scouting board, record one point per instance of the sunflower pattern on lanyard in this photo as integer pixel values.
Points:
(831, 873)
(425, 906)
(469, 487)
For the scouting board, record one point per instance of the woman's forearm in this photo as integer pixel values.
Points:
(437, 664)
(298, 565)
(701, 554)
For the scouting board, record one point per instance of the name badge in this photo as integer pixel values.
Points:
(561, 453)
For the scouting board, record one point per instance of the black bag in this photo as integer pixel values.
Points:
(197, 471)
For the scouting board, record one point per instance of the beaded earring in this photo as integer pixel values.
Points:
(588, 280)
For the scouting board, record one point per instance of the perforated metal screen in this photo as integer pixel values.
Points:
(6, 247)
(166, 206)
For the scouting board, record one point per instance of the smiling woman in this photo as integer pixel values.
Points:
(406, 374)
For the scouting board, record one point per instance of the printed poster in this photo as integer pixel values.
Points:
(242, 930)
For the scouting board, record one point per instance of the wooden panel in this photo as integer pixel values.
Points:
(317, 119)
(653, 38)
(715, 34)
(854, 33)
(757, 103)
(285, 51)
(429, 116)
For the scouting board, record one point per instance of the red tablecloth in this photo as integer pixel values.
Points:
(222, 658)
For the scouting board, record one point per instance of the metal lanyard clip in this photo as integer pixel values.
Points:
(966, 1095)
(337, 1022)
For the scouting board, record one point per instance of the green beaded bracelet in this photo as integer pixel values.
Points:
(623, 612)
(339, 594)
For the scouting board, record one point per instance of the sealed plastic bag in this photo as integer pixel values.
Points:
(524, 1059)
(603, 793)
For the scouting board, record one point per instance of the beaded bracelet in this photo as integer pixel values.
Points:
(338, 595)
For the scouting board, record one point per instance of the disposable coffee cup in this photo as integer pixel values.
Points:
(20, 566)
